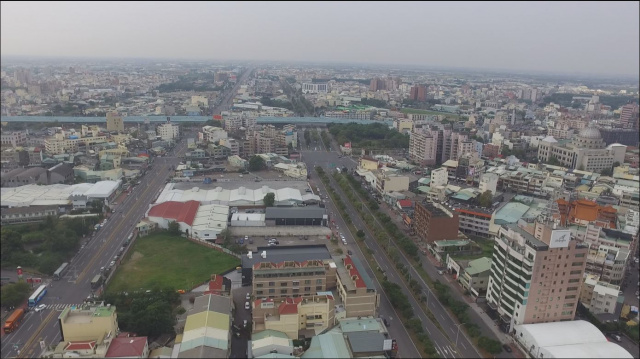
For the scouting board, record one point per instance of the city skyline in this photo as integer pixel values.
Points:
(483, 36)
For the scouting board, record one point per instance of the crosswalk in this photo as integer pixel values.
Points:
(60, 306)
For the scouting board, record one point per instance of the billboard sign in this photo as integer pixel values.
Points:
(347, 145)
(560, 238)
(187, 173)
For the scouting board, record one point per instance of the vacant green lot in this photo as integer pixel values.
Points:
(162, 260)
(427, 112)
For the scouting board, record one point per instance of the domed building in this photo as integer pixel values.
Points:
(590, 138)
(585, 152)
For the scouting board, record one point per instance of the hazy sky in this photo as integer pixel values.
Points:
(586, 37)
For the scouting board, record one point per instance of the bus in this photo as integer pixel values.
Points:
(60, 271)
(13, 321)
(37, 296)
(96, 281)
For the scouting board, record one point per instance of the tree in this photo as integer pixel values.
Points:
(490, 345)
(607, 172)
(360, 233)
(554, 161)
(269, 199)
(485, 199)
(15, 294)
(256, 163)
(225, 234)
(174, 228)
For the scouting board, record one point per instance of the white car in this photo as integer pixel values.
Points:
(248, 296)
(40, 307)
(247, 305)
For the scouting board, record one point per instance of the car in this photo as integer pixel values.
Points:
(248, 296)
(101, 269)
(41, 307)
(181, 291)
(617, 337)
(349, 252)
(506, 348)
(271, 244)
(247, 305)
(386, 322)
(244, 323)
(112, 263)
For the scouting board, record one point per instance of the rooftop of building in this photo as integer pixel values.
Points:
(451, 243)
(478, 265)
(304, 212)
(179, 211)
(84, 313)
(126, 347)
(288, 253)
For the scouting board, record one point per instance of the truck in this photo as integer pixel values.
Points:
(96, 281)
(13, 321)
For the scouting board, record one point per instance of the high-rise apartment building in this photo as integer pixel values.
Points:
(114, 122)
(629, 115)
(423, 146)
(418, 93)
(435, 221)
(535, 277)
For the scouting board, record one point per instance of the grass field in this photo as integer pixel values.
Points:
(162, 260)
(427, 112)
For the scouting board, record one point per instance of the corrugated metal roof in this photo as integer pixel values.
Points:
(366, 342)
(297, 212)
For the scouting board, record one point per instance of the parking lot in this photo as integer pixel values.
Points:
(263, 241)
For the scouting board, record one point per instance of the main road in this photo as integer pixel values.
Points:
(39, 329)
(406, 347)
(445, 344)
(72, 289)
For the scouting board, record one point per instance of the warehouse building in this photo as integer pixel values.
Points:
(572, 339)
(305, 216)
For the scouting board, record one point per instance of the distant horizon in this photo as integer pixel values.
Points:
(592, 39)
(512, 71)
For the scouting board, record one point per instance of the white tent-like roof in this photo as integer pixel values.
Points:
(573, 339)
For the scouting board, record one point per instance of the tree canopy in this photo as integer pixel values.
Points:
(14, 294)
(256, 163)
(174, 228)
(375, 135)
(269, 199)
(485, 199)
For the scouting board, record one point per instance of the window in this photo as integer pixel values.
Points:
(259, 285)
(307, 281)
(296, 283)
(271, 291)
(283, 291)
(306, 289)
(283, 284)
(318, 281)
(272, 284)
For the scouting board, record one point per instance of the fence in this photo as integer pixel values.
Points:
(213, 246)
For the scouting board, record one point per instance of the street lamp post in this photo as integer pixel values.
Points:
(458, 333)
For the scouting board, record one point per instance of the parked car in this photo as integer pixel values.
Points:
(506, 348)
(112, 263)
(248, 296)
(349, 252)
(244, 323)
(386, 322)
(247, 305)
